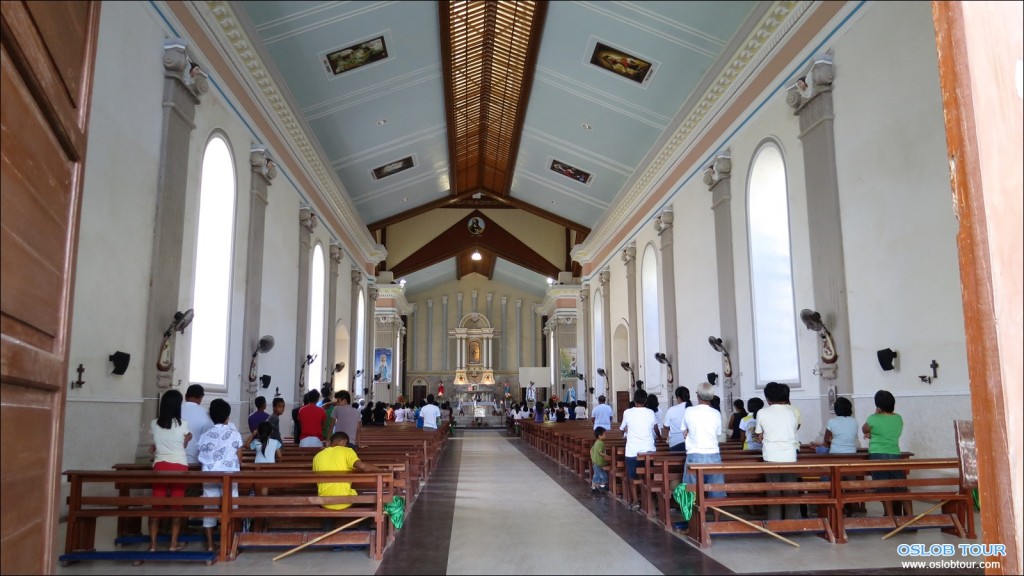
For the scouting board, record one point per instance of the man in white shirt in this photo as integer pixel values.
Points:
(197, 417)
(602, 414)
(701, 427)
(776, 426)
(674, 420)
(430, 413)
(638, 422)
(581, 412)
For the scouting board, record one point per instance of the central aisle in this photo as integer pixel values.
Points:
(512, 518)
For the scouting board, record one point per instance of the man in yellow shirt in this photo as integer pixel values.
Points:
(338, 457)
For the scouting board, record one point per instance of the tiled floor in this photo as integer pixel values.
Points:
(495, 506)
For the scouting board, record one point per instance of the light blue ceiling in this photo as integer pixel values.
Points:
(394, 108)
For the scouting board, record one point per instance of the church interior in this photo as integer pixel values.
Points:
(502, 202)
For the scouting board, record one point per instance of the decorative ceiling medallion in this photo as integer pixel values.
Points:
(476, 225)
(621, 63)
(392, 168)
(571, 172)
(342, 60)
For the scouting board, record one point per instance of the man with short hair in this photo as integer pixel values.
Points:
(602, 414)
(198, 419)
(311, 420)
(338, 457)
(260, 415)
(776, 427)
(701, 427)
(430, 414)
(347, 418)
(638, 423)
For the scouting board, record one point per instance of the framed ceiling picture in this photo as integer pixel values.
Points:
(568, 171)
(340, 60)
(622, 63)
(393, 167)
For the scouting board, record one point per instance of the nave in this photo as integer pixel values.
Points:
(497, 506)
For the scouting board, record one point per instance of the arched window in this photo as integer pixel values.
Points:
(316, 318)
(771, 269)
(599, 360)
(360, 329)
(211, 292)
(652, 320)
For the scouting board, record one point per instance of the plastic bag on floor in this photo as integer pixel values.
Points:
(396, 511)
(685, 499)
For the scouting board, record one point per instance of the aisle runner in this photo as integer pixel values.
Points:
(512, 518)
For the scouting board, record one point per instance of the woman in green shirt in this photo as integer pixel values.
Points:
(883, 430)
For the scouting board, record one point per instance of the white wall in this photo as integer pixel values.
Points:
(116, 239)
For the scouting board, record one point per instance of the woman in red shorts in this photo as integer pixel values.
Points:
(170, 436)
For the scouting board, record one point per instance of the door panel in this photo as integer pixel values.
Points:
(46, 63)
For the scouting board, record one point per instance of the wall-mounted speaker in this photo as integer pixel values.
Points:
(887, 358)
(120, 360)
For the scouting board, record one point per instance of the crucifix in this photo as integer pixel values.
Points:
(935, 369)
(79, 383)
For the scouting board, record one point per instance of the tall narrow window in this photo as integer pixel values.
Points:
(360, 329)
(211, 292)
(599, 360)
(652, 320)
(316, 318)
(771, 269)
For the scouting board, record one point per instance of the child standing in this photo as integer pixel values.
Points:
(883, 430)
(220, 450)
(268, 450)
(749, 422)
(599, 480)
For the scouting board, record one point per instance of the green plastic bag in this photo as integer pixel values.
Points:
(396, 511)
(685, 499)
(977, 499)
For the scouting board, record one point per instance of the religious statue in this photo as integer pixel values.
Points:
(440, 388)
(531, 393)
(474, 352)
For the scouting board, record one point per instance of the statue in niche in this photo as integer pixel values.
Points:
(474, 352)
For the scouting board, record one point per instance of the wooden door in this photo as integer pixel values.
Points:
(622, 401)
(47, 57)
(419, 392)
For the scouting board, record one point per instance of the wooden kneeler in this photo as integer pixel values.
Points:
(755, 526)
(319, 538)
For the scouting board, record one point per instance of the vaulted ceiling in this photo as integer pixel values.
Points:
(549, 108)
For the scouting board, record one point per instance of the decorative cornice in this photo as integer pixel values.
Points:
(718, 170)
(262, 164)
(224, 28)
(819, 78)
(762, 40)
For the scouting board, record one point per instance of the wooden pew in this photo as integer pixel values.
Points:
(292, 495)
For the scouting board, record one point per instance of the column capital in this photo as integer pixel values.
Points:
(719, 169)
(458, 296)
(307, 218)
(819, 78)
(519, 303)
(504, 300)
(604, 277)
(262, 164)
(178, 63)
(629, 253)
(430, 302)
(664, 221)
(444, 299)
(357, 276)
(336, 252)
(490, 296)
(373, 292)
(585, 293)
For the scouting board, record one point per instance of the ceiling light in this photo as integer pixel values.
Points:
(551, 281)
(476, 255)
(402, 282)
(382, 121)
(586, 126)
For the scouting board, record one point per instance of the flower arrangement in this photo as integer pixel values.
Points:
(400, 399)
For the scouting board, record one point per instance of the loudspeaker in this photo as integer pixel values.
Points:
(265, 381)
(886, 356)
(120, 360)
(712, 378)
